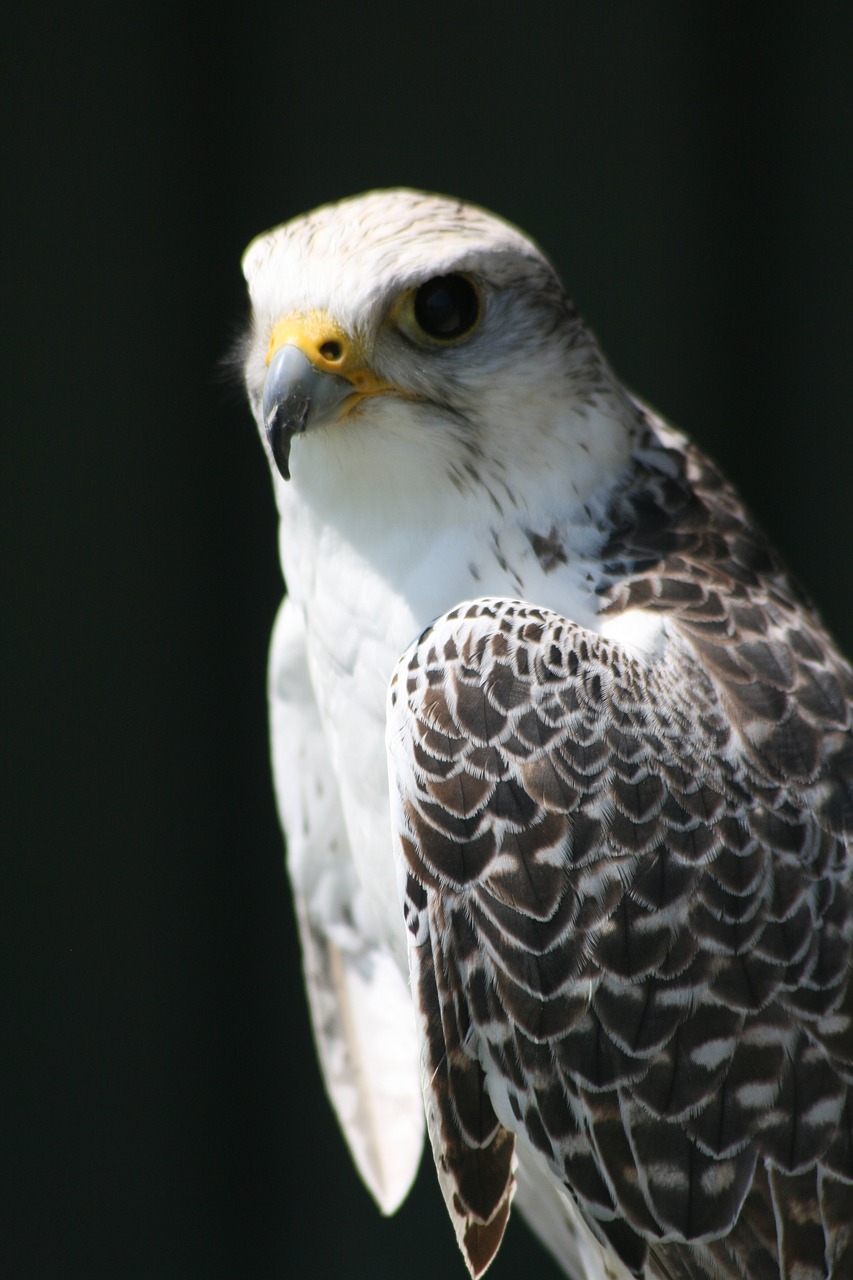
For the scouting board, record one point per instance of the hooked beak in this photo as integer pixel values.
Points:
(294, 392)
(316, 374)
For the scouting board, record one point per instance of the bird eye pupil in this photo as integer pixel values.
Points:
(446, 307)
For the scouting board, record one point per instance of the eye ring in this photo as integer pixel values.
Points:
(445, 308)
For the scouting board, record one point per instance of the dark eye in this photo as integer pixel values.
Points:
(446, 307)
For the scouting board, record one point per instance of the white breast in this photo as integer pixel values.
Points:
(366, 593)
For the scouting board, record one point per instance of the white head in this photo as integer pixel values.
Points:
(405, 335)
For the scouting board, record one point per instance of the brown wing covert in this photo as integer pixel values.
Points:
(630, 945)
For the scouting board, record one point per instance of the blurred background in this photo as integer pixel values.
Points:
(690, 172)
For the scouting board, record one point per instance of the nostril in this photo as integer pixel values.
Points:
(331, 351)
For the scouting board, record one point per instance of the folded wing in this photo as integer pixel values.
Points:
(629, 945)
(360, 1006)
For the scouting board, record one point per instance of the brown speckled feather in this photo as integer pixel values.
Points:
(628, 891)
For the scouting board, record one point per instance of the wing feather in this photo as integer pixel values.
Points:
(361, 1010)
(643, 931)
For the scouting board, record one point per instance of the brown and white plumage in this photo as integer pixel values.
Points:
(620, 749)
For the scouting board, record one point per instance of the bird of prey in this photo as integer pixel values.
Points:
(564, 762)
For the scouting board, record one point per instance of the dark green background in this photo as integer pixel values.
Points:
(690, 169)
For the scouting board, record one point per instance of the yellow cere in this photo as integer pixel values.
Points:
(329, 348)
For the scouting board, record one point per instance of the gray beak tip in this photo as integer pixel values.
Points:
(279, 435)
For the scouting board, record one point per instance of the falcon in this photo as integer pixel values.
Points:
(564, 762)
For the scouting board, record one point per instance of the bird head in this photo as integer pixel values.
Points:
(404, 326)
